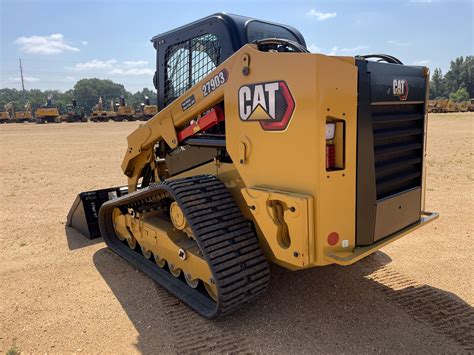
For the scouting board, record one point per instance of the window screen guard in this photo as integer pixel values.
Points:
(187, 62)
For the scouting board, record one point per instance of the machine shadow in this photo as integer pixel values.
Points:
(76, 240)
(337, 304)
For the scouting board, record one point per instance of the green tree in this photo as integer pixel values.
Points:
(437, 84)
(88, 91)
(460, 95)
(460, 74)
(138, 98)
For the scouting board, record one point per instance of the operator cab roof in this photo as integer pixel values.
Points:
(240, 29)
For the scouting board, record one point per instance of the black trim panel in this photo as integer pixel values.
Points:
(366, 193)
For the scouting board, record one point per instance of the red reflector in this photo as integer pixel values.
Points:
(333, 238)
(330, 156)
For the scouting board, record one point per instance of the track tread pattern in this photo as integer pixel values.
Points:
(226, 239)
(445, 313)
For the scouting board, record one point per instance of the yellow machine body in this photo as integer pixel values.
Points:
(25, 115)
(150, 110)
(47, 112)
(279, 178)
(4, 116)
(262, 151)
(125, 111)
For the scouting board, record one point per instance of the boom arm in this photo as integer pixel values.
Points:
(164, 124)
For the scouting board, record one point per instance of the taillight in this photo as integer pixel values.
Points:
(330, 147)
(330, 156)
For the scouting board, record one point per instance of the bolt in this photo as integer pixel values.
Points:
(245, 71)
(296, 254)
(241, 161)
(292, 209)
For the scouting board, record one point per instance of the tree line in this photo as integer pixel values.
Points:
(86, 92)
(457, 84)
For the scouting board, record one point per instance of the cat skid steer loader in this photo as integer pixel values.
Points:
(263, 152)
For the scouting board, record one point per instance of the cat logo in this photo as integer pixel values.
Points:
(400, 88)
(269, 103)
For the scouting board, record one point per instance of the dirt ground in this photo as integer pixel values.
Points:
(63, 293)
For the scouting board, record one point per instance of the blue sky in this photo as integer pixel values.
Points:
(62, 41)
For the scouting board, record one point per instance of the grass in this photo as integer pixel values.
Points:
(13, 351)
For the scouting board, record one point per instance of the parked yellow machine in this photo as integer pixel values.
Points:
(147, 110)
(4, 117)
(8, 115)
(124, 112)
(48, 113)
(262, 151)
(99, 114)
(25, 115)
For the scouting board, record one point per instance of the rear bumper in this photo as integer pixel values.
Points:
(348, 258)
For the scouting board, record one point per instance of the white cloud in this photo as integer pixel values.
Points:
(70, 78)
(132, 71)
(95, 64)
(84, 43)
(422, 62)
(333, 50)
(114, 67)
(314, 48)
(399, 43)
(25, 78)
(320, 16)
(133, 64)
(336, 49)
(354, 49)
(53, 44)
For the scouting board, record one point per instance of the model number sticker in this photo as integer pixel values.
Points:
(215, 82)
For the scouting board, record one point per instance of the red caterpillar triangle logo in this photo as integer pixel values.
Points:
(400, 88)
(269, 103)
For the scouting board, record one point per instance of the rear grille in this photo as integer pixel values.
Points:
(398, 147)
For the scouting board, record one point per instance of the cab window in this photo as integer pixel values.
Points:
(257, 30)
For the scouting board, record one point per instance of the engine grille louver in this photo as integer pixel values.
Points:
(398, 147)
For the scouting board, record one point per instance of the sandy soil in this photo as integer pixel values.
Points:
(62, 293)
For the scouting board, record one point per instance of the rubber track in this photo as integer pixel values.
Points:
(447, 314)
(237, 262)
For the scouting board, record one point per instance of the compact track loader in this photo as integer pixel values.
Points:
(263, 152)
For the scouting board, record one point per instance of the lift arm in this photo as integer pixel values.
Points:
(163, 125)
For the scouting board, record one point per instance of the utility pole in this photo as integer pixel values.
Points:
(21, 75)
